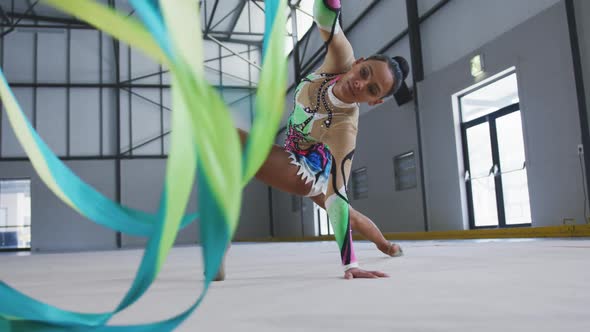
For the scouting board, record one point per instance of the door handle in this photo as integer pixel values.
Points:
(494, 170)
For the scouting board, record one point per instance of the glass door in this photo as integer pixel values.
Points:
(513, 177)
(15, 214)
(480, 175)
(495, 165)
(322, 222)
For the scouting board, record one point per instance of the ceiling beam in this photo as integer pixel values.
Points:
(32, 6)
(236, 17)
(63, 20)
(226, 16)
(9, 30)
(208, 28)
(3, 17)
(236, 40)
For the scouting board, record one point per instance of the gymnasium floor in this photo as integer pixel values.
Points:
(485, 285)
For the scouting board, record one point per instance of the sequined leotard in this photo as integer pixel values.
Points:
(321, 139)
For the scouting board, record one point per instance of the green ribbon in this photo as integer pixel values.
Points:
(169, 33)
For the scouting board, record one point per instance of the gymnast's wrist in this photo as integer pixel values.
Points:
(353, 265)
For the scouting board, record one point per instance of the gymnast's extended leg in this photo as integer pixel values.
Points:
(278, 172)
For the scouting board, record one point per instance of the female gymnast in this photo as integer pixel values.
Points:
(316, 158)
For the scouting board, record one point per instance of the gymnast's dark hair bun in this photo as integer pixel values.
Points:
(403, 64)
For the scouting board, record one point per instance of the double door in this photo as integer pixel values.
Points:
(495, 170)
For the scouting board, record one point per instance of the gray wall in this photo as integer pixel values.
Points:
(142, 182)
(54, 225)
(255, 214)
(286, 222)
(464, 25)
(540, 50)
(583, 23)
(385, 132)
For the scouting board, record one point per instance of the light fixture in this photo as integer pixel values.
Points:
(477, 65)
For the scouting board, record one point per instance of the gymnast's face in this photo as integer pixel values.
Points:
(366, 82)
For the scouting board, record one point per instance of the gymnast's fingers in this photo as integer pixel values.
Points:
(380, 274)
(358, 273)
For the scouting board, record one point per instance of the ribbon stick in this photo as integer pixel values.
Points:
(169, 33)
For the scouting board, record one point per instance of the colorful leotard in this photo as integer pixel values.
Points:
(321, 140)
(322, 137)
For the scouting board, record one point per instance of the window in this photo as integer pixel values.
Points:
(302, 13)
(15, 214)
(404, 168)
(489, 98)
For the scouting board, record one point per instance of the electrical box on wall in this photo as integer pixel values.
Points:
(404, 171)
(360, 183)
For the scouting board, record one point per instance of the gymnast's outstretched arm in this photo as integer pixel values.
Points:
(340, 56)
(341, 140)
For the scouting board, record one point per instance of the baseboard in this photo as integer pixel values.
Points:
(563, 231)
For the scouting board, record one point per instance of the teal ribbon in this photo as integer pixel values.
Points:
(199, 122)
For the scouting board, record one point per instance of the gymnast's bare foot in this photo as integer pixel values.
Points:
(391, 249)
(221, 273)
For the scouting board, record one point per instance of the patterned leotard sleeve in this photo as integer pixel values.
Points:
(341, 139)
(325, 15)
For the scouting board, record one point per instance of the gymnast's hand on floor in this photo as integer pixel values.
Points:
(360, 273)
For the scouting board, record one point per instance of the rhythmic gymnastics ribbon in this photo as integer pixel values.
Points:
(169, 33)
